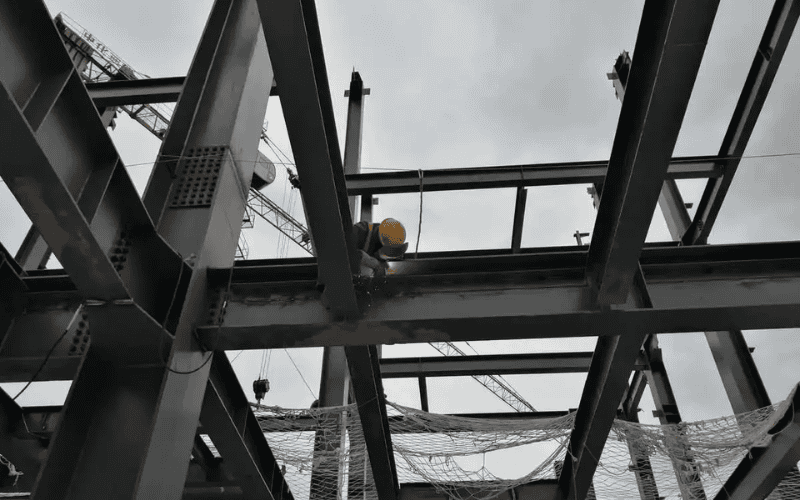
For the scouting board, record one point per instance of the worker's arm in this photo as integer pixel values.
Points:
(370, 261)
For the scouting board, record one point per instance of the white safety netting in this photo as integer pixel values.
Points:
(323, 451)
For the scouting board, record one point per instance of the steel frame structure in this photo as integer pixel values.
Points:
(155, 281)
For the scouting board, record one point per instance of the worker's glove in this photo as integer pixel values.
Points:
(371, 262)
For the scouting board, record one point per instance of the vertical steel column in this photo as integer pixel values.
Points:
(352, 141)
(332, 392)
(667, 413)
(642, 468)
(366, 207)
(519, 218)
(141, 420)
(334, 377)
(423, 393)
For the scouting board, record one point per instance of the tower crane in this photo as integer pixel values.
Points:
(496, 384)
(96, 62)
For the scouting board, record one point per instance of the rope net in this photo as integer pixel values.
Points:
(325, 455)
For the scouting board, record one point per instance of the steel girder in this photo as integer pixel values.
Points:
(355, 122)
(308, 111)
(500, 364)
(655, 374)
(763, 468)
(144, 91)
(232, 426)
(509, 176)
(771, 48)
(148, 91)
(614, 355)
(692, 289)
(519, 219)
(667, 57)
(45, 420)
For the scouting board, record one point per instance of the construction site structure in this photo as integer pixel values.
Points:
(150, 295)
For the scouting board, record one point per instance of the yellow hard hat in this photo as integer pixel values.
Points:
(393, 236)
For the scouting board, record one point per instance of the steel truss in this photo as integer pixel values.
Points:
(163, 301)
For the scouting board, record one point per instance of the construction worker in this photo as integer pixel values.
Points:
(379, 243)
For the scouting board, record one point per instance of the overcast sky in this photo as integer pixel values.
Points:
(459, 83)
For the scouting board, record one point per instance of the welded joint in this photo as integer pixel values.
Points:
(217, 307)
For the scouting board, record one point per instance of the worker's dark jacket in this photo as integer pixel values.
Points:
(367, 238)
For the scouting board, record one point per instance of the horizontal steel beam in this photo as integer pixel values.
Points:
(763, 468)
(544, 488)
(45, 419)
(402, 425)
(500, 364)
(523, 296)
(145, 91)
(508, 176)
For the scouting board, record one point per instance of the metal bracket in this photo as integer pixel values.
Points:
(198, 173)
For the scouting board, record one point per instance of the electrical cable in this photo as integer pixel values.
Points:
(237, 356)
(301, 373)
(219, 328)
(50, 352)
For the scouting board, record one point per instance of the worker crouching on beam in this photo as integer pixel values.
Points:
(378, 244)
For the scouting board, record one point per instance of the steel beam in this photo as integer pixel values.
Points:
(423, 393)
(771, 48)
(763, 468)
(692, 289)
(300, 70)
(145, 91)
(667, 413)
(316, 149)
(352, 142)
(544, 488)
(674, 210)
(500, 364)
(629, 406)
(11, 293)
(743, 384)
(519, 220)
(202, 454)
(669, 49)
(510, 176)
(641, 466)
(605, 384)
(33, 253)
(233, 428)
(370, 398)
(87, 208)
